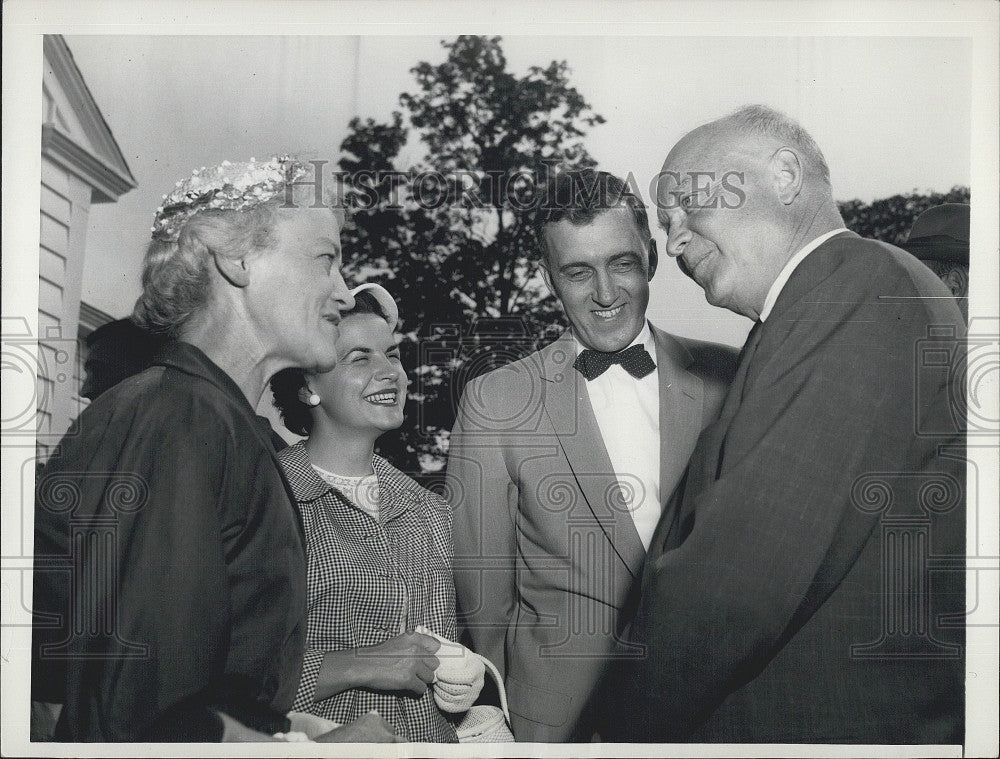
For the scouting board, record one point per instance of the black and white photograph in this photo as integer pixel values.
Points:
(431, 373)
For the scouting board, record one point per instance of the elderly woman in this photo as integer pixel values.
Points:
(170, 566)
(379, 546)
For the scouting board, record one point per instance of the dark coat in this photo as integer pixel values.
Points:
(799, 594)
(170, 566)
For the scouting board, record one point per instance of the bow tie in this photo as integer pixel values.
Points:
(635, 360)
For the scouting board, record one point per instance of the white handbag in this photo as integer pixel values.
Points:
(484, 723)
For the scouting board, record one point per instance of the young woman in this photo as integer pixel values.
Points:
(379, 546)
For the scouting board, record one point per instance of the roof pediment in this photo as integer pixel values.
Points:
(74, 132)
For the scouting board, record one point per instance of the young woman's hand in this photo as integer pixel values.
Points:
(405, 663)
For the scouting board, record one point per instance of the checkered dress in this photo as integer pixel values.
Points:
(370, 581)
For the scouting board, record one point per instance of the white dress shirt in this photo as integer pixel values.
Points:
(785, 273)
(628, 413)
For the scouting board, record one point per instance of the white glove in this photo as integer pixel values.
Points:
(459, 677)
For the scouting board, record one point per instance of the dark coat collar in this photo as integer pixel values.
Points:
(187, 358)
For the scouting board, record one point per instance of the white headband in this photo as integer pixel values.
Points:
(384, 299)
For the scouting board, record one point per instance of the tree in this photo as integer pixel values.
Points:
(449, 234)
(890, 219)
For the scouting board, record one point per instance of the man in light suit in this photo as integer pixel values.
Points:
(559, 464)
(809, 587)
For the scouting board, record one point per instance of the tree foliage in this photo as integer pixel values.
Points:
(449, 234)
(890, 219)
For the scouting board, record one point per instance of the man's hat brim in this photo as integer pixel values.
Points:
(938, 248)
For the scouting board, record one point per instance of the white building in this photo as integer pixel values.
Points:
(81, 165)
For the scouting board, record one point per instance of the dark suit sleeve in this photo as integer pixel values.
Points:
(481, 495)
(829, 397)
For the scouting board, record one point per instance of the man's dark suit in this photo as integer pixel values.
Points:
(822, 512)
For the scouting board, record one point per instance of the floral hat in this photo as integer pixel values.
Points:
(226, 187)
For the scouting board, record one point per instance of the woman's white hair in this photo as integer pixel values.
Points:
(176, 273)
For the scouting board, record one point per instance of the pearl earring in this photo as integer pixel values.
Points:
(308, 397)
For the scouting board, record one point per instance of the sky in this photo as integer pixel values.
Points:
(174, 103)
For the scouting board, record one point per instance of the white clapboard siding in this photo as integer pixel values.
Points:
(64, 207)
(81, 164)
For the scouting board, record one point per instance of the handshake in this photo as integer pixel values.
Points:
(459, 677)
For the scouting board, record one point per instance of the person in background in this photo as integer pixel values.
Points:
(940, 238)
(782, 603)
(379, 546)
(116, 350)
(170, 567)
(561, 463)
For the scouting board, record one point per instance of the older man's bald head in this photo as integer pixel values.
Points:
(748, 135)
(737, 197)
(760, 125)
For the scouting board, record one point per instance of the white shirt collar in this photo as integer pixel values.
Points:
(645, 337)
(794, 261)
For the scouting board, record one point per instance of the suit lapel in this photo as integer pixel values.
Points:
(681, 408)
(707, 458)
(567, 404)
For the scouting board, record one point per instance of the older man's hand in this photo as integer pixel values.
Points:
(368, 728)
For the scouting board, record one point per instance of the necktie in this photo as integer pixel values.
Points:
(635, 360)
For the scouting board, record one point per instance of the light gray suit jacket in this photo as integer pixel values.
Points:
(545, 550)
